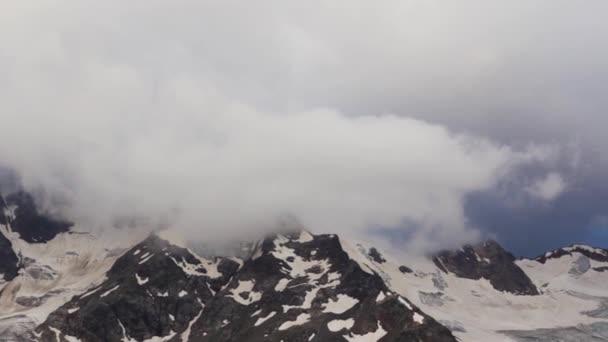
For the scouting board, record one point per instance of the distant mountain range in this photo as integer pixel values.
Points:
(59, 285)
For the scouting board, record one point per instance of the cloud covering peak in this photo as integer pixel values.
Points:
(184, 154)
(219, 118)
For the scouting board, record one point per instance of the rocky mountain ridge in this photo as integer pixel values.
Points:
(288, 287)
(293, 288)
(490, 261)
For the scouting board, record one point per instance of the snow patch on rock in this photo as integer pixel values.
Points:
(140, 280)
(301, 319)
(340, 305)
(264, 319)
(340, 324)
(369, 337)
(244, 294)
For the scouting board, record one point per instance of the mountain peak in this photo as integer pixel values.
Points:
(294, 287)
(288, 286)
(486, 260)
(20, 212)
(597, 254)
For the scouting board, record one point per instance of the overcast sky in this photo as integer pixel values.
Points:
(437, 121)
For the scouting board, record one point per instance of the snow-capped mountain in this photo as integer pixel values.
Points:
(61, 285)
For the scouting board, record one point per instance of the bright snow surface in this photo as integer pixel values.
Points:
(71, 264)
(483, 312)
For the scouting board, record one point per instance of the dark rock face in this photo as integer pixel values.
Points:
(490, 261)
(293, 288)
(9, 262)
(155, 289)
(32, 226)
(308, 289)
(376, 256)
(3, 218)
(597, 254)
(405, 269)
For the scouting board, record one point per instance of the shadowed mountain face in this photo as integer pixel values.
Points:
(32, 226)
(18, 213)
(3, 210)
(9, 262)
(490, 261)
(597, 254)
(304, 288)
(293, 288)
(152, 290)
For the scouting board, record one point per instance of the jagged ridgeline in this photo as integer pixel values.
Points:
(296, 287)
(60, 285)
(490, 261)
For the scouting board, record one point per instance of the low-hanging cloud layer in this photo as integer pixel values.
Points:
(194, 158)
(220, 119)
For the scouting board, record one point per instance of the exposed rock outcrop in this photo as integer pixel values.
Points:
(295, 287)
(490, 261)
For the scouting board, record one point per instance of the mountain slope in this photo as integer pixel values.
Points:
(475, 310)
(301, 287)
(125, 286)
(295, 287)
(49, 271)
(9, 261)
(490, 261)
(25, 219)
(155, 289)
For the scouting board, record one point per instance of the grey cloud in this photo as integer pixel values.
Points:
(347, 115)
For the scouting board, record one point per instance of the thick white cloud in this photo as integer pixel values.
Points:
(220, 118)
(549, 187)
(193, 157)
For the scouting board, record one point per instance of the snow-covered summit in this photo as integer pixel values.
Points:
(590, 252)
